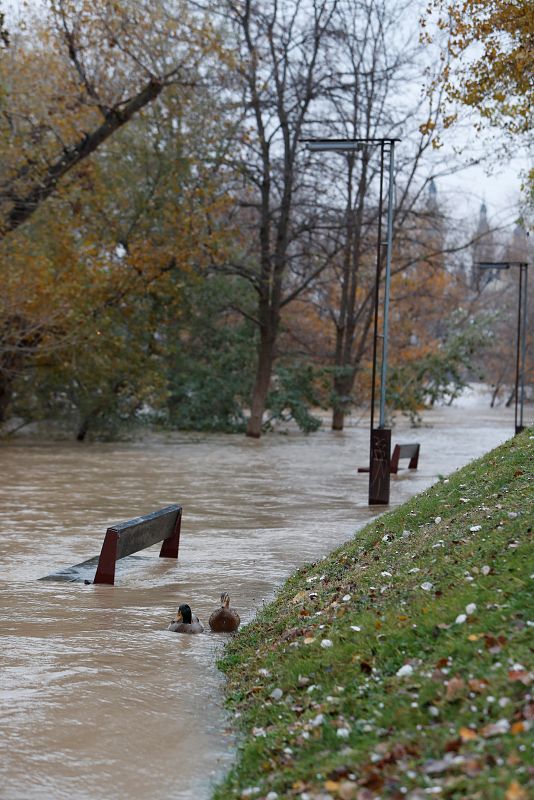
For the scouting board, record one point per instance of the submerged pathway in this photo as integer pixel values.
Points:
(98, 700)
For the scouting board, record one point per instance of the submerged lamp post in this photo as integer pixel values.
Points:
(521, 346)
(380, 437)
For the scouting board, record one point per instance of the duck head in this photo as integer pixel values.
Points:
(225, 599)
(184, 614)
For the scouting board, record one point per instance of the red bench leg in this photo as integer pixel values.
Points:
(394, 463)
(169, 548)
(105, 572)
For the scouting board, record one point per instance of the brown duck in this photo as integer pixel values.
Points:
(225, 619)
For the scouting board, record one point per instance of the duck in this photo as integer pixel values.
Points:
(186, 621)
(224, 619)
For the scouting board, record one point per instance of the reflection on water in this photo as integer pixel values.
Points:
(98, 700)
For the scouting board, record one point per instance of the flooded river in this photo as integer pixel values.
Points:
(98, 700)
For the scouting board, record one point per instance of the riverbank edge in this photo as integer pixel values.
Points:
(400, 665)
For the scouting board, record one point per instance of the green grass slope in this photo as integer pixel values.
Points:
(401, 665)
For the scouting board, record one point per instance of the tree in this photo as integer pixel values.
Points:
(281, 69)
(83, 75)
(490, 42)
(95, 280)
(371, 66)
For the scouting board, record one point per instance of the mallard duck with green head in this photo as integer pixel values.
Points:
(224, 619)
(186, 621)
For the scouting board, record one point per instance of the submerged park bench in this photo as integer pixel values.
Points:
(410, 451)
(126, 538)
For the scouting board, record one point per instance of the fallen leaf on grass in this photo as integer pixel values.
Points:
(453, 745)
(347, 791)
(373, 780)
(520, 675)
(467, 734)
(518, 727)
(331, 786)
(471, 767)
(516, 792)
(494, 643)
(495, 729)
(478, 685)
(455, 689)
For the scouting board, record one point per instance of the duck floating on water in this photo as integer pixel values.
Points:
(225, 619)
(186, 621)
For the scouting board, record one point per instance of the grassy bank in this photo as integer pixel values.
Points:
(401, 665)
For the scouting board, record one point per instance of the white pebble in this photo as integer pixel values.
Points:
(386, 574)
(276, 694)
(427, 586)
(404, 671)
(475, 528)
(318, 720)
(326, 643)
(355, 628)
(437, 520)
(460, 619)
(485, 570)
(471, 608)
(271, 796)
(343, 733)
(346, 598)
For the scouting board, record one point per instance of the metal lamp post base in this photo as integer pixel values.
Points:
(379, 475)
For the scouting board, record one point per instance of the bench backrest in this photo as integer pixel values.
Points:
(129, 537)
(410, 451)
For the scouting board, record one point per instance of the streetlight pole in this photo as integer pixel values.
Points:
(380, 437)
(521, 342)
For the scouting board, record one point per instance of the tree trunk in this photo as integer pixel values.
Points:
(511, 398)
(342, 390)
(82, 430)
(5, 395)
(261, 385)
(338, 418)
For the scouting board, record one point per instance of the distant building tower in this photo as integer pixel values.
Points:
(483, 249)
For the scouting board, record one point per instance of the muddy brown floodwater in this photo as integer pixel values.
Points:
(98, 700)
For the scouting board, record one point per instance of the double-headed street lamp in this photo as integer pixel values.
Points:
(380, 438)
(521, 346)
